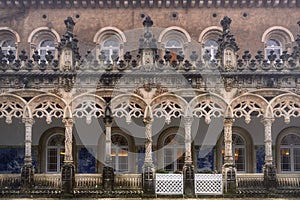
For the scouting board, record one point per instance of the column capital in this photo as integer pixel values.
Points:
(268, 120)
(68, 121)
(229, 120)
(28, 121)
(148, 120)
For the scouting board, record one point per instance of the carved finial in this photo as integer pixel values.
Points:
(225, 23)
(69, 24)
(148, 22)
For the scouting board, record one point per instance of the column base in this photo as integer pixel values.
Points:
(108, 178)
(229, 176)
(27, 173)
(270, 180)
(148, 179)
(68, 179)
(188, 179)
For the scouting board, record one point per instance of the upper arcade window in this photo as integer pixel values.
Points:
(111, 49)
(43, 40)
(211, 46)
(44, 47)
(275, 46)
(119, 153)
(8, 45)
(55, 153)
(290, 153)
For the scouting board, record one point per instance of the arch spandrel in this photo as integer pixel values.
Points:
(48, 106)
(208, 106)
(12, 106)
(247, 105)
(286, 106)
(128, 106)
(168, 105)
(87, 106)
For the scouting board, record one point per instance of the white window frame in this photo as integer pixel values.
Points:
(59, 149)
(118, 149)
(110, 49)
(291, 150)
(211, 49)
(42, 49)
(274, 48)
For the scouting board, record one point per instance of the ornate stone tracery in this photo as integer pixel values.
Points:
(167, 109)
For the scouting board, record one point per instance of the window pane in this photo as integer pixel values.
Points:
(211, 46)
(52, 160)
(174, 46)
(297, 159)
(285, 159)
(168, 159)
(273, 45)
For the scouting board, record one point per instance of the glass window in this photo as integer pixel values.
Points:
(119, 153)
(111, 47)
(238, 152)
(174, 46)
(290, 153)
(273, 45)
(55, 153)
(211, 46)
(7, 45)
(174, 153)
(46, 45)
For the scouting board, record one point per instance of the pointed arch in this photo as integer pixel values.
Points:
(286, 106)
(128, 106)
(12, 106)
(208, 105)
(87, 106)
(168, 105)
(247, 105)
(48, 106)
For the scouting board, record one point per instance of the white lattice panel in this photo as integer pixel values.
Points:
(208, 184)
(169, 184)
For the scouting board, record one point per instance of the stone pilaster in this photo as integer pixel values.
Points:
(229, 170)
(68, 168)
(269, 169)
(27, 171)
(188, 168)
(148, 167)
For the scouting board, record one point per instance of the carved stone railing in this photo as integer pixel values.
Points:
(88, 181)
(128, 181)
(47, 181)
(287, 181)
(10, 181)
(250, 180)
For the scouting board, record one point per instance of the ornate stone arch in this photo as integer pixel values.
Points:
(210, 32)
(7, 34)
(88, 106)
(168, 105)
(128, 106)
(40, 34)
(208, 105)
(48, 106)
(247, 105)
(286, 106)
(12, 106)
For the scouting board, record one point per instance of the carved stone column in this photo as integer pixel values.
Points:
(27, 171)
(188, 168)
(108, 171)
(68, 168)
(229, 170)
(148, 167)
(269, 169)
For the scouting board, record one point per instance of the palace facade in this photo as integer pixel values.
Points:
(149, 86)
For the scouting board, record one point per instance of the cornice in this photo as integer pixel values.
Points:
(149, 4)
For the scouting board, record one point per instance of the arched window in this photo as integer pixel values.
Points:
(44, 47)
(55, 153)
(119, 153)
(238, 152)
(211, 46)
(274, 45)
(174, 46)
(173, 152)
(111, 48)
(290, 153)
(7, 45)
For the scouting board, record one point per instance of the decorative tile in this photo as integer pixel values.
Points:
(260, 158)
(11, 160)
(205, 159)
(86, 161)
